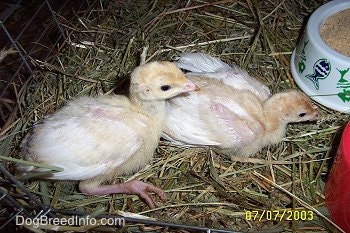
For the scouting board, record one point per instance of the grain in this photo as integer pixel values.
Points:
(336, 30)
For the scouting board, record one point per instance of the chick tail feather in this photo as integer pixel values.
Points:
(174, 142)
(201, 63)
(24, 169)
(171, 140)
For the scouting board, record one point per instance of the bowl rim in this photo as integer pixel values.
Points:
(317, 20)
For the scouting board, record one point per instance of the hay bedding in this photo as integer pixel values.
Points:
(203, 188)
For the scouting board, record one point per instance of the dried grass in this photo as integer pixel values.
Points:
(203, 188)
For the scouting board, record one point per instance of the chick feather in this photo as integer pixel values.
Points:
(200, 64)
(71, 137)
(238, 118)
(96, 139)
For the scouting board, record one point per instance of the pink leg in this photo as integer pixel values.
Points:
(132, 187)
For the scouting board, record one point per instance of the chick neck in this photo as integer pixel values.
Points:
(154, 109)
(275, 124)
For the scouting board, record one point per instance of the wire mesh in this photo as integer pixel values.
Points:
(32, 29)
(39, 32)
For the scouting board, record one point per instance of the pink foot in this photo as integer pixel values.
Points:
(132, 187)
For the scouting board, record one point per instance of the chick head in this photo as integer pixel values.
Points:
(295, 106)
(159, 81)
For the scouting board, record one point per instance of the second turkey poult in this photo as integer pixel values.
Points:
(96, 139)
(232, 111)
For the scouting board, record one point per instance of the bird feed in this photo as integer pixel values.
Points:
(336, 32)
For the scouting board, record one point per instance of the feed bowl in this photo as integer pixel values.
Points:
(319, 70)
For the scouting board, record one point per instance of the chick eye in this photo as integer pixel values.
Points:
(165, 87)
(302, 114)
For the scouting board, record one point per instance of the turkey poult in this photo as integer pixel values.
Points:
(239, 117)
(96, 139)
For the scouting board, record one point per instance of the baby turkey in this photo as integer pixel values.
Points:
(97, 139)
(235, 119)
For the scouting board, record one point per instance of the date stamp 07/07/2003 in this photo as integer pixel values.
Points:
(279, 215)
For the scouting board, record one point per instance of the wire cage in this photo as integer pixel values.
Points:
(31, 35)
(54, 50)
(32, 43)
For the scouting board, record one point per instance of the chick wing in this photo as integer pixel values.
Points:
(86, 138)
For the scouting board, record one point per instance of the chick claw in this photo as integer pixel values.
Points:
(131, 187)
(141, 189)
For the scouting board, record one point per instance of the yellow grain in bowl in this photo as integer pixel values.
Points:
(336, 32)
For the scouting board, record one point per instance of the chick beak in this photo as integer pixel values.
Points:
(315, 117)
(190, 86)
(316, 114)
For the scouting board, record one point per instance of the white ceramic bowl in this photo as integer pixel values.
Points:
(320, 71)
